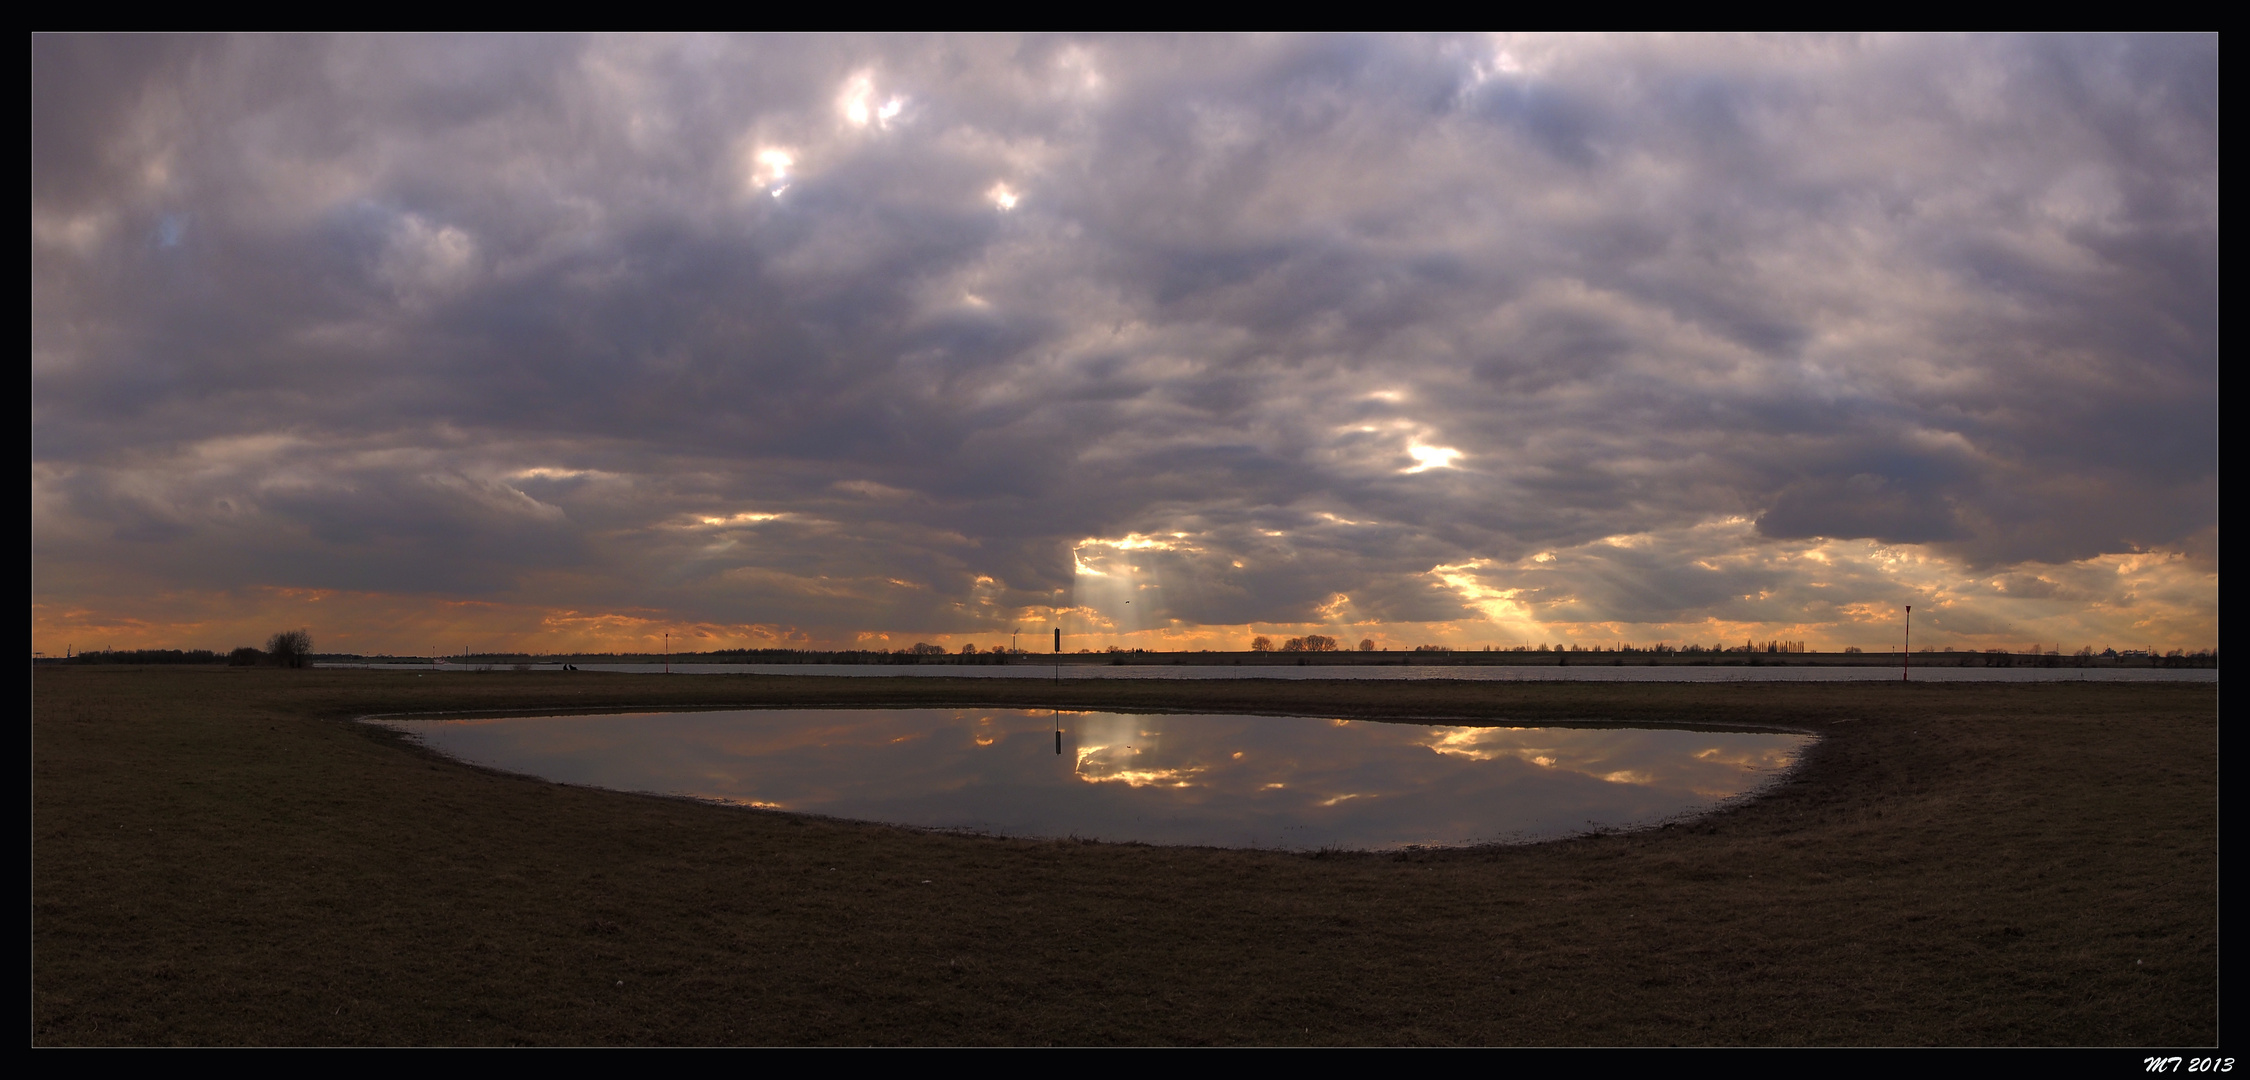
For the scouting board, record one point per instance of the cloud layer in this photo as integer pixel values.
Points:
(819, 340)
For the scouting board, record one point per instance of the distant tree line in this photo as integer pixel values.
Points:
(288, 648)
(148, 656)
(293, 649)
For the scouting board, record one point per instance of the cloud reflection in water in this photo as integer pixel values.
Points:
(1248, 781)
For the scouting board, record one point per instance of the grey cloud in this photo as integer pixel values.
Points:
(1862, 505)
(1955, 292)
(2034, 587)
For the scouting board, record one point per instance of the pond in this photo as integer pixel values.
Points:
(1217, 780)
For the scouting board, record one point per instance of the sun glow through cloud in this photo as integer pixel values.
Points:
(858, 102)
(770, 170)
(1431, 457)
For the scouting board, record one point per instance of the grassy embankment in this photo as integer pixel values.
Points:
(218, 858)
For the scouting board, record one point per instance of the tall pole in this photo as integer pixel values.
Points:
(1906, 652)
(1058, 685)
(667, 652)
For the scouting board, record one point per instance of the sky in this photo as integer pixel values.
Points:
(550, 343)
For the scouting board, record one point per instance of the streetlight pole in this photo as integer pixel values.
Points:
(1906, 652)
(1058, 682)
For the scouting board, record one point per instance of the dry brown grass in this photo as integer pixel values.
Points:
(217, 858)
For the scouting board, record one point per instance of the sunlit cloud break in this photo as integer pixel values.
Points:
(567, 343)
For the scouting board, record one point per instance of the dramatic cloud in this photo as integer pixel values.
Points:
(562, 342)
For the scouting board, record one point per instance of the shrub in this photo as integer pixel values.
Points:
(290, 648)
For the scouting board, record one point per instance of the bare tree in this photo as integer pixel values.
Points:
(1261, 643)
(1367, 644)
(290, 648)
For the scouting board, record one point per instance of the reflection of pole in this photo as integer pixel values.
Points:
(1058, 689)
(1906, 652)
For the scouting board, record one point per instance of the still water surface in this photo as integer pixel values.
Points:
(1230, 781)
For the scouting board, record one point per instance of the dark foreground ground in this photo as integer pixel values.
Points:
(219, 857)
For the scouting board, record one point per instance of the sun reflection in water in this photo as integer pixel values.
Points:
(1116, 764)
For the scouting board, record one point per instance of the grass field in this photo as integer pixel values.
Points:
(220, 857)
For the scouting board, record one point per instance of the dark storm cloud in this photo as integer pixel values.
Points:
(848, 333)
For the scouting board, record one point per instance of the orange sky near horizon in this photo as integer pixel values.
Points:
(2166, 616)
